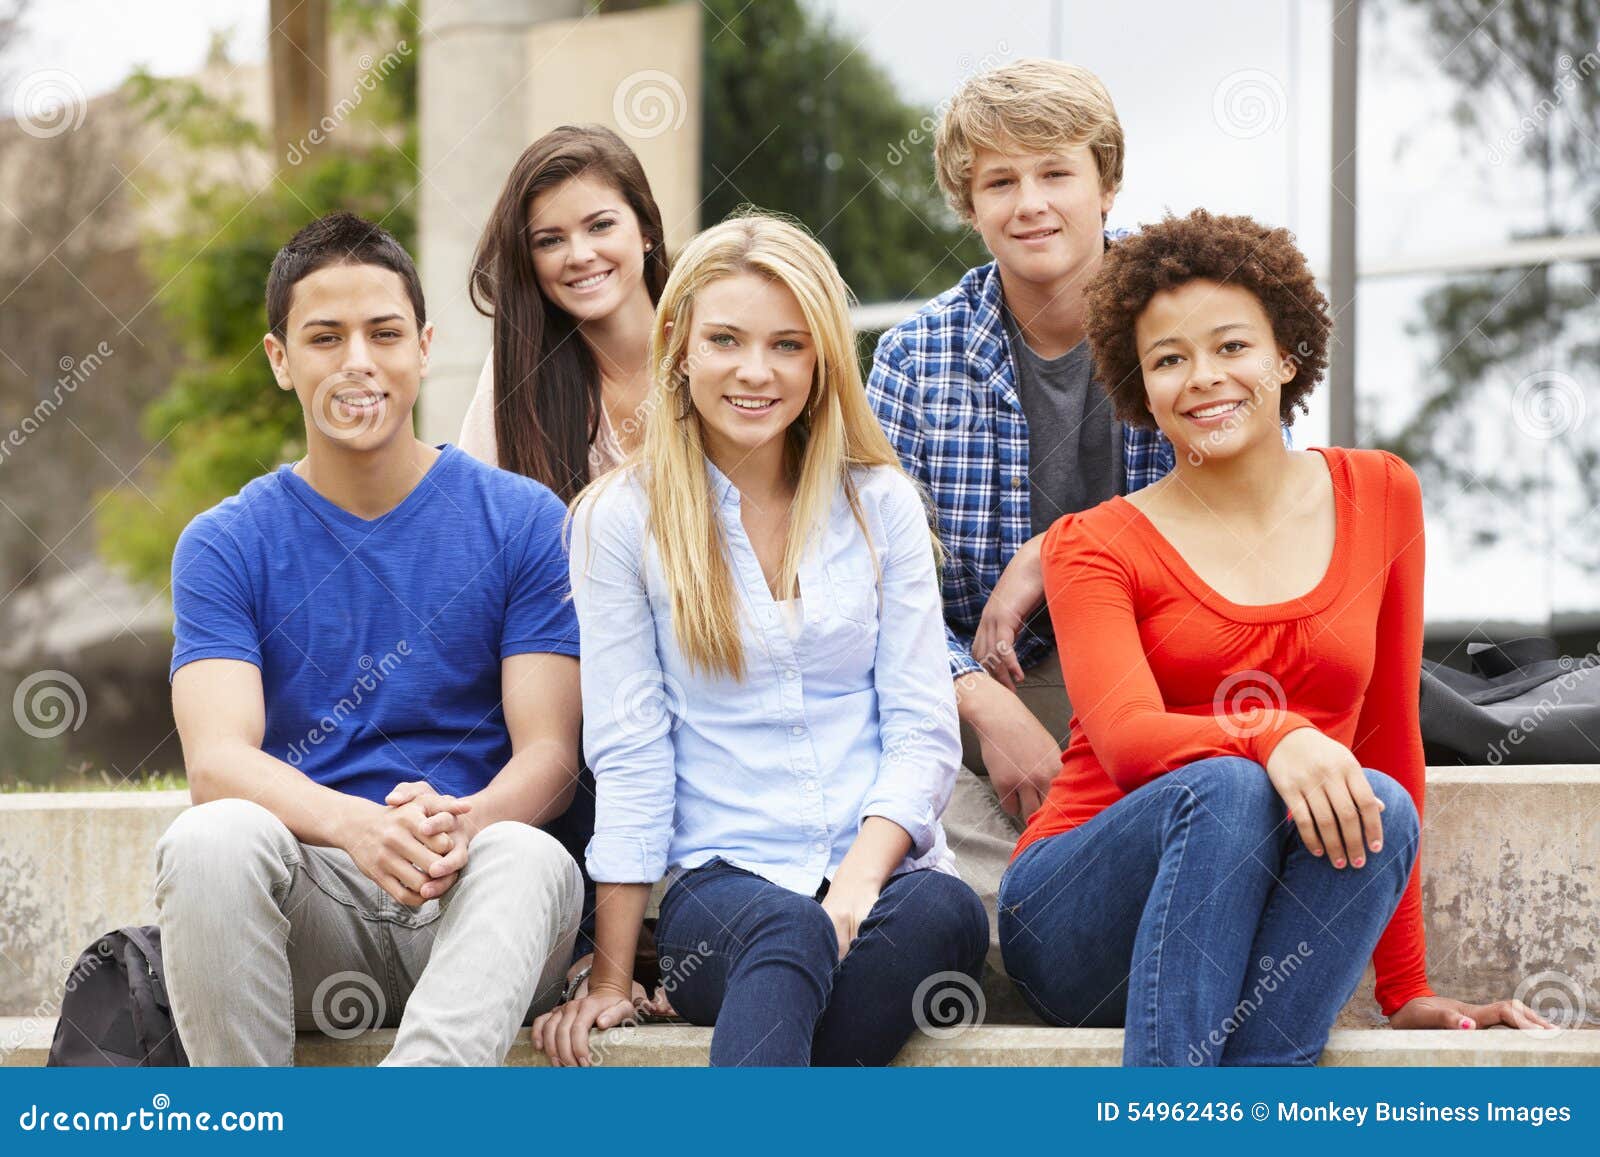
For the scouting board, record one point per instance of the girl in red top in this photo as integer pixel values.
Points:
(1235, 827)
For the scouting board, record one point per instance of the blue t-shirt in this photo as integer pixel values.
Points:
(380, 641)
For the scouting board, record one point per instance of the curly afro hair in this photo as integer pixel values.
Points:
(1205, 247)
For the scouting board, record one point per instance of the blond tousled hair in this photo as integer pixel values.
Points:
(836, 432)
(1036, 105)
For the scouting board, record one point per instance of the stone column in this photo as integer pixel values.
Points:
(472, 94)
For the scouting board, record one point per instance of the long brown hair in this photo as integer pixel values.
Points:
(546, 380)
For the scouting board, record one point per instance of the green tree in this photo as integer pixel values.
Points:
(223, 420)
(799, 119)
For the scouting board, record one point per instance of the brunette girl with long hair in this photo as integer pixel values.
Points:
(569, 267)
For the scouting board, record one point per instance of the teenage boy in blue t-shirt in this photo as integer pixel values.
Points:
(375, 680)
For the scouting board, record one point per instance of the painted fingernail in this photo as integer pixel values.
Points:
(1360, 863)
(1377, 845)
(1465, 1023)
(1338, 863)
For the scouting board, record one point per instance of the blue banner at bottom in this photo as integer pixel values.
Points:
(978, 1111)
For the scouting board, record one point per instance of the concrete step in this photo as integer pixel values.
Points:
(1510, 885)
(24, 1043)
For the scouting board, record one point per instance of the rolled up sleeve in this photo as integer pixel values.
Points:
(628, 704)
(918, 727)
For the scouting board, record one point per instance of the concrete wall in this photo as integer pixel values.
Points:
(1511, 859)
(72, 865)
(495, 75)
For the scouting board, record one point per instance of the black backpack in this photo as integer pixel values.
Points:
(115, 1011)
(1522, 702)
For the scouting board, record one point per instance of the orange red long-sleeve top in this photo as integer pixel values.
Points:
(1163, 671)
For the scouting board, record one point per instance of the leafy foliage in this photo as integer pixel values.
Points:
(223, 420)
(800, 120)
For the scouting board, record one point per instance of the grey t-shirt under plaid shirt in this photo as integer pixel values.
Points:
(1074, 443)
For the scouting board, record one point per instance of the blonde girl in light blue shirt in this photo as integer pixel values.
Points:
(767, 706)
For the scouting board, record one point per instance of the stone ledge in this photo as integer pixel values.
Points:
(1512, 858)
(91, 801)
(25, 1043)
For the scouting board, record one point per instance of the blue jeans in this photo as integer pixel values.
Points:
(1191, 913)
(762, 964)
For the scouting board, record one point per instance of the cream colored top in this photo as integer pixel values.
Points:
(478, 429)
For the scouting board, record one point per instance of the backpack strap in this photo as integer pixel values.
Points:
(1492, 660)
(149, 947)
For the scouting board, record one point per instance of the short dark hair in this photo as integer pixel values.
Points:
(1205, 247)
(337, 239)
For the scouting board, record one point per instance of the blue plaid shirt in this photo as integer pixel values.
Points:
(945, 388)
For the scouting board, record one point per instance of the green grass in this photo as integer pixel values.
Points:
(86, 778)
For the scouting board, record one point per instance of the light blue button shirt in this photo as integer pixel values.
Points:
(854, 718)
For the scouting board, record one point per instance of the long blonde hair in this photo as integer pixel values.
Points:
(836, 432)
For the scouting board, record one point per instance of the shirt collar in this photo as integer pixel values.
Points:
(988, 350)
(722, 487)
